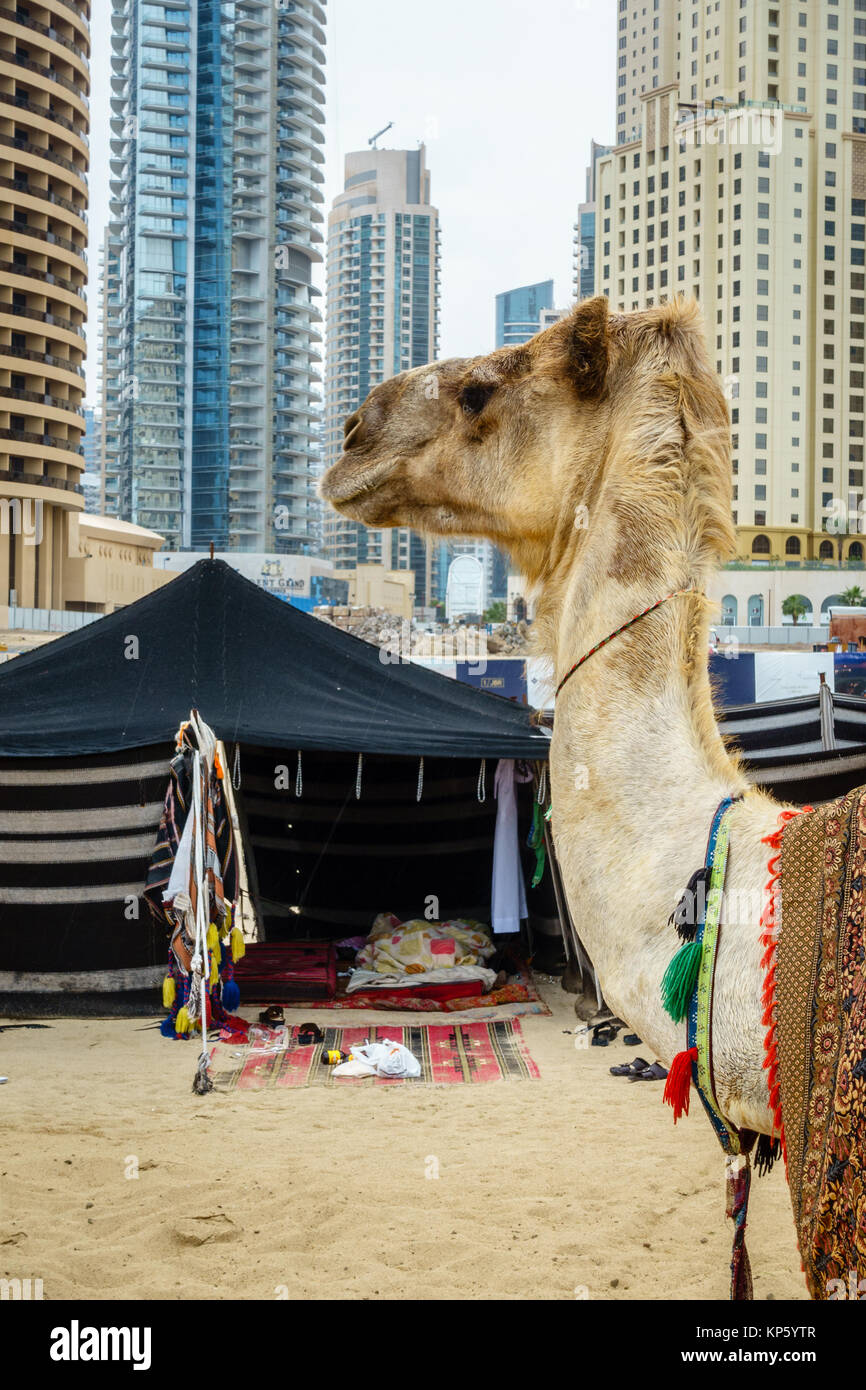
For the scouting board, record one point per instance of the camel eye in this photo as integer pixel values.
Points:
(473, 399)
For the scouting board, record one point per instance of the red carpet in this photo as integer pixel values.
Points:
(450, 1054)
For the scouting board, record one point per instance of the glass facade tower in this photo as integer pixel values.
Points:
(518, 312)
(584, 230)
(217, 115)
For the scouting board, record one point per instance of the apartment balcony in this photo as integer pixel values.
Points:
(243, 356)
(250, 83)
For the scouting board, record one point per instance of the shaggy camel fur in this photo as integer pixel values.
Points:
(598, 456)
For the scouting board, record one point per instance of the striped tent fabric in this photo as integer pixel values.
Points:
(76, 835)
(784, 747)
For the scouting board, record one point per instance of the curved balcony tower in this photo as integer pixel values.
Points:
(44, 89)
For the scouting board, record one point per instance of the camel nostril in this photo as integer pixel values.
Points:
(352, 430)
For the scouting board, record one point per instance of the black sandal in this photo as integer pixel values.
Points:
(272, 1017)
(630, 1068)
(603, 1034)
(309, 1034)
(654, 1073)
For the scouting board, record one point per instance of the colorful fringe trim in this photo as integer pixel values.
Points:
(770, 923)
(222, 995)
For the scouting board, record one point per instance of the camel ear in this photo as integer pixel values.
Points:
(587, 346)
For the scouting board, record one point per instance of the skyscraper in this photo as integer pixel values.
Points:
(216, 162)
(584, 230)
(518, 312)
(740, 178)
(91, 480)
(383, 318)
(109, 385)
(43, 255)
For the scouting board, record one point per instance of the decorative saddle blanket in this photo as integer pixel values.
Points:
(816, 1047)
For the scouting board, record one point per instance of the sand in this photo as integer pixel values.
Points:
(116, 1181)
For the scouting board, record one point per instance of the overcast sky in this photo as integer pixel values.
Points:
(506, 94)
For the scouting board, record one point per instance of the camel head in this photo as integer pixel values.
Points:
(596, 412)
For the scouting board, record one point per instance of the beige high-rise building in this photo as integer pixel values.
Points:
(383, 318)
(44, 87)
(739, 177)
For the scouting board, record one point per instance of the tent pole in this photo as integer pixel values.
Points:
(573, 948)
(536, 785)
(561, 909)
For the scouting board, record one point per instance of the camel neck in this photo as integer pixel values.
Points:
(637, 764)
(630, 622)
(645, 693)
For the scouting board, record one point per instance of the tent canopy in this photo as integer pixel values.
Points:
(260, 671)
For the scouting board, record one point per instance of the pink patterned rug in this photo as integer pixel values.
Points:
(449, 1053)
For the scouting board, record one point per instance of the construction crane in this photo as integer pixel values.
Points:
(373, 138)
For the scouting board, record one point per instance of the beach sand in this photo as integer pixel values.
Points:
(575, 1185)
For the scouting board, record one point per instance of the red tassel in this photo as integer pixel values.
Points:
(678, 1085)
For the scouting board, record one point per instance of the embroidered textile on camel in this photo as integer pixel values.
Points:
(817, 1050)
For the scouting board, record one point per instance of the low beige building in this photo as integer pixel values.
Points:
(753, 596)
(108, 564)
(372, 586)
(113, 565)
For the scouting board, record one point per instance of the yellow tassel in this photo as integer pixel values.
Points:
(169, 990)
(181, 1023)
(228, 921)
(214, 969)
(238, 945)
(213, 938)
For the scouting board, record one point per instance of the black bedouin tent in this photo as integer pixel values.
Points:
(86, 731)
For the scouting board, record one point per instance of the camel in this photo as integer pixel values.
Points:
(598, 456)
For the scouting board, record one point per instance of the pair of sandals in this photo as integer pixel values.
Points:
(640, 1070)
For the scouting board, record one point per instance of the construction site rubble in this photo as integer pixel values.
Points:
(447, 641)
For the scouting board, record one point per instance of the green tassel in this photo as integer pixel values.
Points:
(680, 980)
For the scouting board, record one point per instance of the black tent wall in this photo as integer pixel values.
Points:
(76, 835)
(326, 862)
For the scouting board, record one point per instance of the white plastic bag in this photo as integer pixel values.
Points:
(385, 1058)
(398, 1060)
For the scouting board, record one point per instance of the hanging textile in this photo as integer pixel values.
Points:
(509, 891)
(191, 885)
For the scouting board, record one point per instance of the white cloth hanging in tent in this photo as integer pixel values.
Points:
(509, 891)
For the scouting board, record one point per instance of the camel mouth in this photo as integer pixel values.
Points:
(341, 487)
